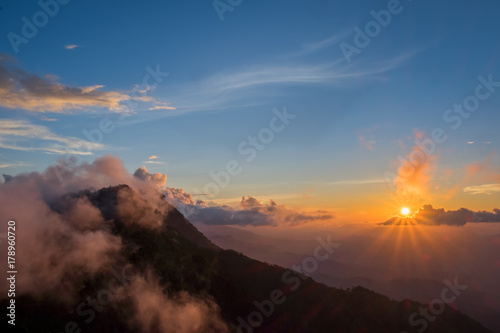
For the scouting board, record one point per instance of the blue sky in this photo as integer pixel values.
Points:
(226, 77)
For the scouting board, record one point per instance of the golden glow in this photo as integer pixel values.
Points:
(405, 211)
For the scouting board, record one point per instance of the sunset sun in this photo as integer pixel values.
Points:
(405, 211)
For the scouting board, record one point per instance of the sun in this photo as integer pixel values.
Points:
(405, 211)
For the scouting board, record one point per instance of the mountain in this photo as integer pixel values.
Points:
(174, 272)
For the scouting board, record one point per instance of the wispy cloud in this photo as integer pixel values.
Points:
(483, 189)
(368, 144)
(314, 47)
(358, 181)
(153, 162)
(40, 138)
(71, 46)
(484, 142)
(240, 87)
(367, 137)
(162, 107)
(233, 88)
(14, 165)
(48, 119)
(152, 157)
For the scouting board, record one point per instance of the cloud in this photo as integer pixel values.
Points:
(330, 72)
(416, 170)
(250, 212)
(428, 215)
(251, 202)
(153, 162)
(22, 90)
(182, 313)
(484, 142)
(368, 144)
(235, 88)
(48, 246)
(12, 132)
(485, 171)
(152, 157)
(177, 195)
(105, 171)
(366, 137)
(157, 179)
(61, 232)
(134, 210)
(14, 165)
(49, 119)
(71, 46)
(358, 181)
(484, 216)
(162, 107)
(314, 47)
(483, 189)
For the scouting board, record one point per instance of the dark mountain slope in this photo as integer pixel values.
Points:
(182, 259)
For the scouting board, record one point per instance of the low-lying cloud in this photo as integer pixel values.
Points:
(250, 212)
(182, 313)
(428, 215)
(63, 236)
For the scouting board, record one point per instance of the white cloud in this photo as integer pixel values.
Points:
(162, 107)
(231, 89)
(483, 189)
(153, 162)
(14, 165)
(314, 47)
(40, 138)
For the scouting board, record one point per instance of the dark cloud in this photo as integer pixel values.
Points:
(484, 216)
(251, 212)
(249, 202)
(22, 90)
(428, 215)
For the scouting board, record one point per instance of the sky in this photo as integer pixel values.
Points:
(315, 105)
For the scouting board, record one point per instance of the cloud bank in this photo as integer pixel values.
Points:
(250, 212)
(428, 215)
